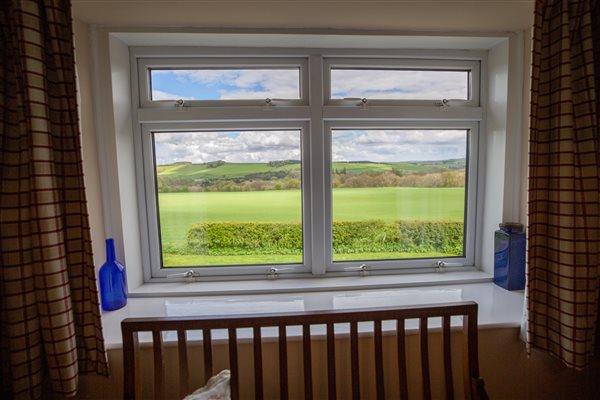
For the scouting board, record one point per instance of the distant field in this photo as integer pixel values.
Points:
(178, 211)
(240, 170)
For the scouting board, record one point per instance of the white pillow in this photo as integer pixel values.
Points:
(217, 388)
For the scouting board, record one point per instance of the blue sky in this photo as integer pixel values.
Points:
(225, 84)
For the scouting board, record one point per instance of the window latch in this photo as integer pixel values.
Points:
(441, 266)
(274, 272)
(362, 101)
(363, 269)
(179, 105)
(189, 276)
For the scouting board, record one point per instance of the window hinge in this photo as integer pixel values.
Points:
(363, 269)
(188, 276)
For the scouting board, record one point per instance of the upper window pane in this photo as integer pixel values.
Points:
(229, 197)
(398, 194)
(399, 84)
(225, 84)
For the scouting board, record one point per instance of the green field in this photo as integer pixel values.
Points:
(220, 191)
(179, 211)
(241, 170)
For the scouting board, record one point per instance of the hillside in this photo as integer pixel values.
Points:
(221, 176)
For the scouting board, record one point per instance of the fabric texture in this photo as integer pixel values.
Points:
(218, 387)
(564, 198)
(50, 326)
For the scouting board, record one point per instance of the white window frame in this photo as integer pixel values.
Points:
(468, 258)
(315, 114)
(150, 223)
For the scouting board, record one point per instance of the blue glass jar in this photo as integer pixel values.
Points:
(509, 256)
(113, 289)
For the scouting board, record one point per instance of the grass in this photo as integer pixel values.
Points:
(178, 211)
(193, 260)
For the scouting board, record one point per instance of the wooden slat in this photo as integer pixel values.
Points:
(258, 366)
(424, 339)
(233, 364)
(129, 364)
(402, 378)
(207, 346)
(159, 387)
(354, 361)
(283, 369)
(331, 362)
(307, 358)
(447, 342)
(471, 356)
(379, 374)
(184, 374)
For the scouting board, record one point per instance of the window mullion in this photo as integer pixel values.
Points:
(317, 165)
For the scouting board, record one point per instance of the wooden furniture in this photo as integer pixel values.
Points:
(473, 384)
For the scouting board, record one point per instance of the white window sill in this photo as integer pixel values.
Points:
(308, 284)
(498, 308)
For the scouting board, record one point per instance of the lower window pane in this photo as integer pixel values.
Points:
(229, 197)
(398, 194)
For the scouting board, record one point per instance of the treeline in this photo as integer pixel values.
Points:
(285, 180)
(449, 178)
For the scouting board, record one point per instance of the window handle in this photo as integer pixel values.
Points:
(187, 275)
(274, 272)
(363, 269)
(441, 266)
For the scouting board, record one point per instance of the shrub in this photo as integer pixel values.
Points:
(235, 238)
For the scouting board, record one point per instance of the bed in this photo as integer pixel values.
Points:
(331, 341)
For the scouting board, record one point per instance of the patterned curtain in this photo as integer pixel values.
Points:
(50, 327)
(564, 181)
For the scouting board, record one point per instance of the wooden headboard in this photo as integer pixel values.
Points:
(473, 384)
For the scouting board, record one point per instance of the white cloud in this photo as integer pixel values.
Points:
(398, 145)
(232, 84)
(396, 84)
(160, 95)
(245, 146)
(347, 145)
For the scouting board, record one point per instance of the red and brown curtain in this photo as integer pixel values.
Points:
(564, 181)
(50, 327)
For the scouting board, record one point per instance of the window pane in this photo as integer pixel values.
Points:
(398, 194)
(397, 84)
(225, 84)
(229, 198)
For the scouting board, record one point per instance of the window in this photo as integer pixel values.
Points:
(251, 168)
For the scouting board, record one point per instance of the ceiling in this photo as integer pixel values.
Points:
(397, 15)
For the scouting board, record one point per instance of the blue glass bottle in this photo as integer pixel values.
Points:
(113, 289)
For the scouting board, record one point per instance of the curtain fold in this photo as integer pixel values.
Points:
(564, 181)
(50, 326)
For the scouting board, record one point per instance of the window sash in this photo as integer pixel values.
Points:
(470, 193)
(151, 232)
(145, 65)
(408, 64)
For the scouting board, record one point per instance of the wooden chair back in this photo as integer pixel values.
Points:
(473, 384)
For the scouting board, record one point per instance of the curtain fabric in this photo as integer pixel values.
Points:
(50, 326)
(564, 197)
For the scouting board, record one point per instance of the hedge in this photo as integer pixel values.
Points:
(236, 238)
